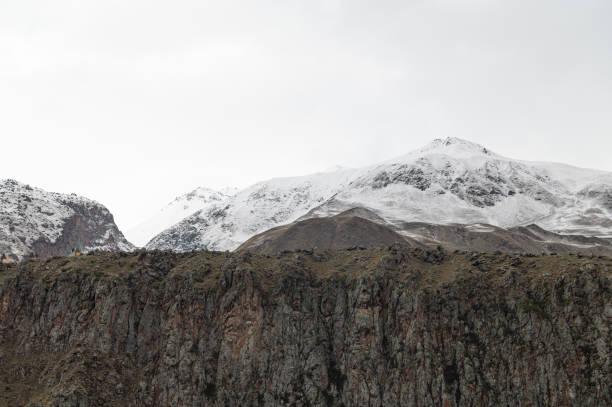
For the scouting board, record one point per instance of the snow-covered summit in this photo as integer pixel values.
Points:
(450, 146)
(447, 181)
(34, 221)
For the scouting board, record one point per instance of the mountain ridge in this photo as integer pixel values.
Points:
(41, 223)
(447, 181)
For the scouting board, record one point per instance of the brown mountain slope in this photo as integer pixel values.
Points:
(363, 227)
(337, 232)
(488, 238)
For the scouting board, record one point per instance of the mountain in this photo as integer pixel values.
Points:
(456, 181)
(342, 231)
(450, 181)
(33, 221)
(376, 327)
(228, 224)
(183, 206)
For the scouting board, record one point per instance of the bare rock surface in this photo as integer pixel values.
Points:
(379, 327)
(40, 223)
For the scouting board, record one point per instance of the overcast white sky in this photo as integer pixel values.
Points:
(134, 102)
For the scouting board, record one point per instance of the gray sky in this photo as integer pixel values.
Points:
(134, 102)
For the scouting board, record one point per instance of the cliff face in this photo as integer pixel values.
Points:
(355, 328)
(89, 228)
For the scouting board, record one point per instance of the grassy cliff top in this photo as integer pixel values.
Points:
(203, 270)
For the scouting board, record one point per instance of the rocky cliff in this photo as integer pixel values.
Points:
(376, 327)
(40, 223)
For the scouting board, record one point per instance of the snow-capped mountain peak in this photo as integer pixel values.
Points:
(452, 147)
(447, 181)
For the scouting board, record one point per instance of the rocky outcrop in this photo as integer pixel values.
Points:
(355, 328)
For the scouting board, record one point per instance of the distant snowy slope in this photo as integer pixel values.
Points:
(175, 211)
(447, 181)
(252, 210)
(33, 221)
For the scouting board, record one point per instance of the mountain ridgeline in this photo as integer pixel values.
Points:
(181, 207)
(451, 192)
(448, 182)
